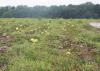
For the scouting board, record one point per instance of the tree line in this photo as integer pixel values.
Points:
(86, 10)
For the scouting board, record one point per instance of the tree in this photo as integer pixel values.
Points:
(86, 10)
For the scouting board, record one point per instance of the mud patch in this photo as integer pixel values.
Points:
(5, 44)
(6, 38)
(4, 48)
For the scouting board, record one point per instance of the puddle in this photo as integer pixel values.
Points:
(95, 24)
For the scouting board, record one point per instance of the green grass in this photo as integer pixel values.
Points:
(49, 45)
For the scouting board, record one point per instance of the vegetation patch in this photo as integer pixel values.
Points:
(49, 45)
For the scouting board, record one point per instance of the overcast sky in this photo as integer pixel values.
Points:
(44, 2)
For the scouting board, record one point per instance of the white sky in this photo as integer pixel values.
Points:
(44, 2)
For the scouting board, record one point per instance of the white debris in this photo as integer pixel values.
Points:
(95, 24)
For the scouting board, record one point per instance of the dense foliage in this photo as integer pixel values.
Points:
(86, 10)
